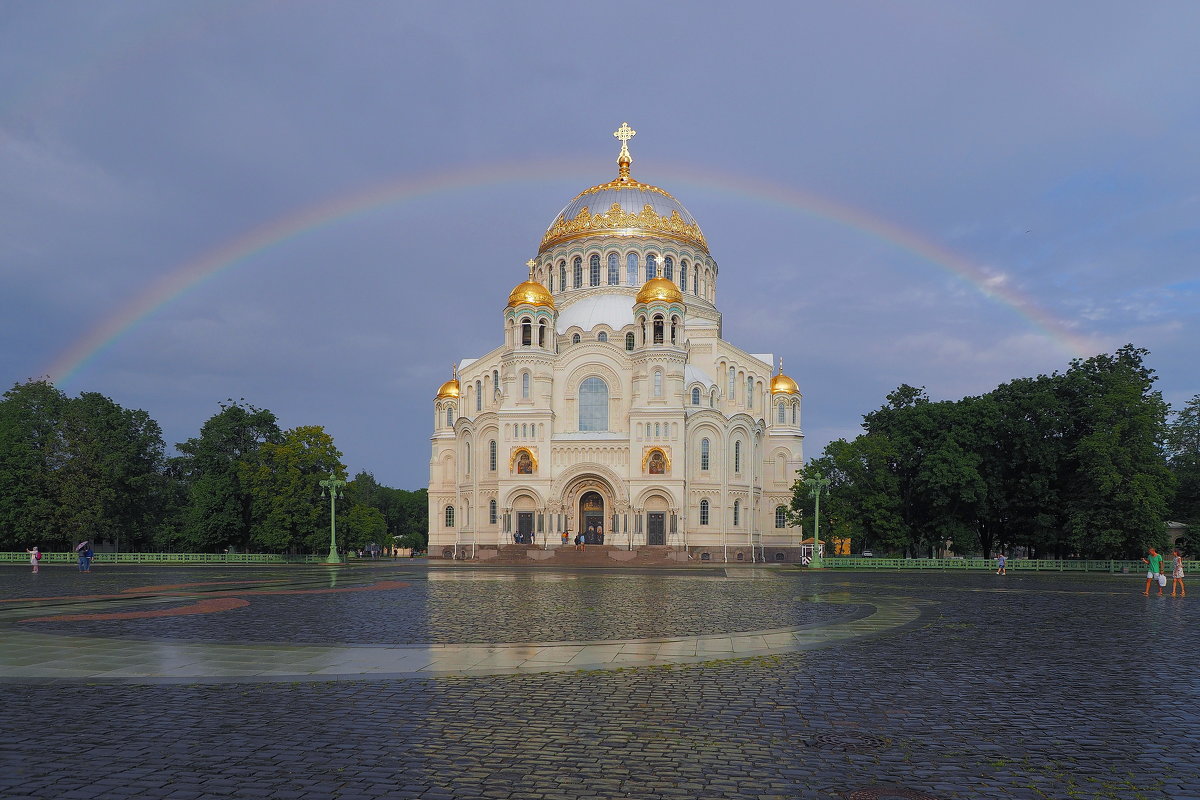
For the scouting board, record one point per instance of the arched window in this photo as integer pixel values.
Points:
(737, 513)
(642, 324)
(524, 385)
(526, 332)
(629, 343)
(683, 276)
(658, 329)
(795, 413)
(780, 516)
(524, 431)
(696, 280)
(703, 512)
(658, 383)
(575, 338)
(651, 266)
(695, 395)
(712, 399)
(704, 455)
(492, 512)
(449, 516)
(577, 267)
(478, 395)
(593, 405)
(737, 456)
(562, 275)
(669, 268)
(542, 333)
(674, 328)
(594, 270)
(601, 337)
(614, 269)
(780, 417)
(449, 416)
(732, 384)
(750, 392)
(631, 269)
(492, 455)
(550, 279)
(467, 458)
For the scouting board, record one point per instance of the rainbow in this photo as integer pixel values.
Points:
(306, 221)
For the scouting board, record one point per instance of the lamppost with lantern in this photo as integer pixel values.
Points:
(333, 487)
(818, 485)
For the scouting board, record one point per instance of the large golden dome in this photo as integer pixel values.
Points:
(782, 384)
(659, 289)
(624, 207)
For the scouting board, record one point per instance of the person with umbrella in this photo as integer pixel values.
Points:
(84, 549)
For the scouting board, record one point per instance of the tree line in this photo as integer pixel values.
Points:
(75, 468)
(1087, 462)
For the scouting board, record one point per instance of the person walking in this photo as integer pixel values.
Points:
(1177, 575)
(1154, 572)
(1001, 560)
(35, 556)
(85, 556)
(565, 536)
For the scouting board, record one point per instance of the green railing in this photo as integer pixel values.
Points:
(1014, 564)
(166, 558)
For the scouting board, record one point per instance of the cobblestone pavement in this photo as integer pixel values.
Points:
(1023, 686)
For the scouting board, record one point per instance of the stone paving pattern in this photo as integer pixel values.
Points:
(1009, 687)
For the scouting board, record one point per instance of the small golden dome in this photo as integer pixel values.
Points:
(782, 384)
(450, 388)
(532, 293)
(660, 289)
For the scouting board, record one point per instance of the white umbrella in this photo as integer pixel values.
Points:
(80, 546)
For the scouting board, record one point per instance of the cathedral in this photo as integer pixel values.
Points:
(614, 413)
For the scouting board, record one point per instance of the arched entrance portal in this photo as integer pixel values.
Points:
(591, 517)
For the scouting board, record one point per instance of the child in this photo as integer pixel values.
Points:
(1177, 575)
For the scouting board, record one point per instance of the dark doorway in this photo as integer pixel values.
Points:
(525, 527)
(591, 515)
(655, 530)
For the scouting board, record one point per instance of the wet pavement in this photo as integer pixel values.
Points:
(401, 680)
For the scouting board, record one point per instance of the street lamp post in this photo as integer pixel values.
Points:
(818, 485)
(334, 488)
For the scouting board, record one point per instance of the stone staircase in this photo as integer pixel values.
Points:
(594, 555)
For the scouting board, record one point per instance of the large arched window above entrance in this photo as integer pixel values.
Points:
(704, 511)
(449, 516)
(593, 405)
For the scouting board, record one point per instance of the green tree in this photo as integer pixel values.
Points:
(1183, 457)
(31, 449)
(365, 525)
(220, 509)
(288, 511)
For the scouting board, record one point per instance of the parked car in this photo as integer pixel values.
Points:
(867, 554)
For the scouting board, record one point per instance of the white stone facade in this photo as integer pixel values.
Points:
(616, 406)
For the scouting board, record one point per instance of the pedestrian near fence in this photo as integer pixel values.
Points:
(1177, 575)
(1154, 572)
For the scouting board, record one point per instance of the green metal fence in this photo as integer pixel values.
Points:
(166, 558)
(1014, 564)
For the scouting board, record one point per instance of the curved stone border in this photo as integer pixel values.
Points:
(39, 657)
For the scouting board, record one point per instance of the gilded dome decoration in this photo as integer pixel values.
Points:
(782, 384)
(450, 388)
(624, 207)
(659, 289)
(530, 292)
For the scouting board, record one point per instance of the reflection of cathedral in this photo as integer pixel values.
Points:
(614, 408)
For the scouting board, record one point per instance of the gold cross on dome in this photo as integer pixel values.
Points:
(531, 263)
(624, 133)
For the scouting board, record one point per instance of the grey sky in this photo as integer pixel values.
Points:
(1050, 146)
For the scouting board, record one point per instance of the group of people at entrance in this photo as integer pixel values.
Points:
(593, 535)
(1155, 574)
